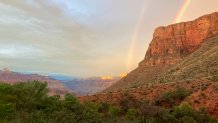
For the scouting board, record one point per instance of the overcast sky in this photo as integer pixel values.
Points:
(85, 37)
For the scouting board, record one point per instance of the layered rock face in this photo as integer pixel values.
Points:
(170, 45)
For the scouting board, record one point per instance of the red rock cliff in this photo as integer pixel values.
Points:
(170, 44)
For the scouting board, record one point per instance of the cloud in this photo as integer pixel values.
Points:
(32, 30)
(17, 51)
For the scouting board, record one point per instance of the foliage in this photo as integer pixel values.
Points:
(113, 111)
(215, 78)
(29, 103)
(171, 97)
(7, 111)
(132, 113)
(186, 114)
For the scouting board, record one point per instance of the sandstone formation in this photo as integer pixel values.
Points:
(170, 45)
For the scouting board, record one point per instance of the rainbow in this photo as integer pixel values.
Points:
(139, 25)
(135, 35)
(182, 11)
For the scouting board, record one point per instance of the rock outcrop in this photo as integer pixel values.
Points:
(170, 45)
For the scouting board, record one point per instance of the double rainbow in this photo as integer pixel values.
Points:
(182, 11)
(139, 25)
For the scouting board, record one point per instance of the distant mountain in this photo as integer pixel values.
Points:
(61, 77)
(10, 77)
(61, 84)
(88, 86)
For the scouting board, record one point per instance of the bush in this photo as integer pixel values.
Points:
(7, 111)
(170, 98)
(181, 93)
(113, 111)
(103, 108)
(132, 114)
(215, 78)
(186, 114)
(187, 119)
(28, 102)
(151, 120)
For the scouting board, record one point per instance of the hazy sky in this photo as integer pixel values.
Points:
(85, 37)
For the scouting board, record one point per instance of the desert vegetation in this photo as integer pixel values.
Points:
(171, 98)
(29, 103)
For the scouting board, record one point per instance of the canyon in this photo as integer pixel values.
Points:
(182, 59)
(170, 45)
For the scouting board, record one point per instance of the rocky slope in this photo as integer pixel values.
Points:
(203, 63)
(169, 46)
(201, 93)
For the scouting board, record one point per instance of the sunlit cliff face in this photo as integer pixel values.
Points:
(106, 77)
(111, 78)
(123, 75)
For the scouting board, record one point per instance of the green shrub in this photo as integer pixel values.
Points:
(113, 111)
(181, 93)
(7, 111)
(186, 114)
(103, 107)
(151, 120)
(132, 114)
(70, 102)
(187, 119)
(170, 97)
(215, 78)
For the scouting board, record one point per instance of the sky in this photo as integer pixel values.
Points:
(86, 38)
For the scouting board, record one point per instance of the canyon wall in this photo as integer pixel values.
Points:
(170, 45)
